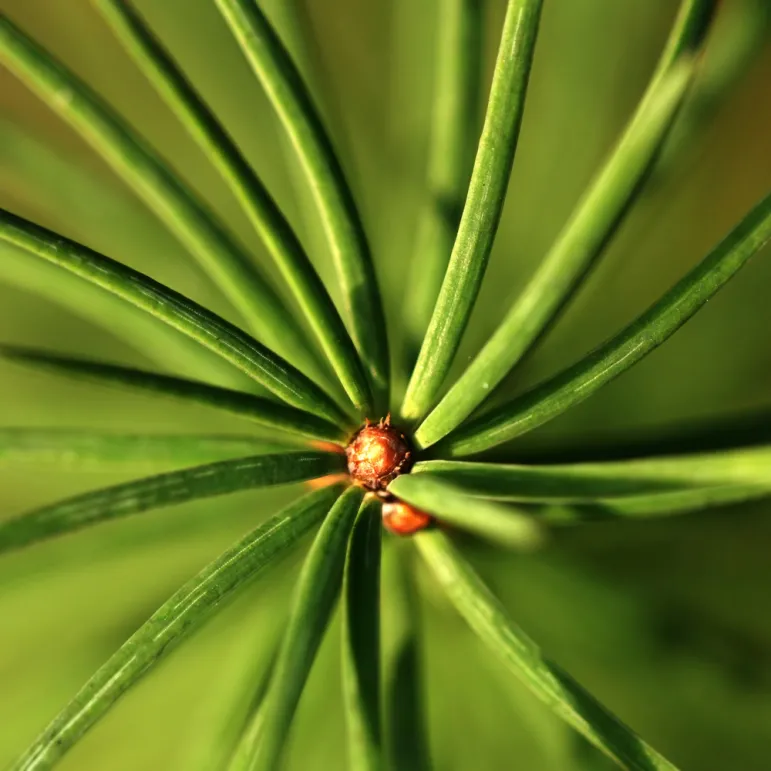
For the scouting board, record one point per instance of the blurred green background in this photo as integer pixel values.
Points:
(668, 622)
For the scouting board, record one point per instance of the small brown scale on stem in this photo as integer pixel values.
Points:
(378, 454)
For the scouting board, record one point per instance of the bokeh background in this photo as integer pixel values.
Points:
(668, 622)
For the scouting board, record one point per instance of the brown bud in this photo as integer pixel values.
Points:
(377, 455)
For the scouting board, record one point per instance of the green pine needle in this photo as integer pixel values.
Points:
(175, 487)
(574, 482)
(91, 449)
(160, 188)
(508, 504)
(274, 68)
(361, 641)
(618, 354)
(657, 504)
(280, 240)
(315, 598)
(98, 209)
(518, 653)
(175, 620)
(407, 729)
(243, 734)
(262, 411)
(582, 241)
(453, 143)
(205, 327)
(500, 524)
(482, 211)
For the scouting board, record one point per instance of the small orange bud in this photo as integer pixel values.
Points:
(377, 455)
(402, 519)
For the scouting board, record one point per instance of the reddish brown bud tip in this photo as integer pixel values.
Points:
(377, 455)
(402, 519)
